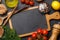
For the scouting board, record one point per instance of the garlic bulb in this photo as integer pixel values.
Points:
(43, 7)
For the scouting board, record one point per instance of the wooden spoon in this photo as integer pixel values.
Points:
(0, 1)
(2, 19)
(9, 15)
(39, 1)
(1, 31)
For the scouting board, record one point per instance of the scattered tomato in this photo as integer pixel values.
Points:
(27, 2)
(44, 37)
(45, 32)
(39, 31)
(31, 3)
(29, 38)
(34, 35)
(22, 1)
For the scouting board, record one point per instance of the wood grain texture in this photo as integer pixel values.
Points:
(54, 15)
(55, 32)
(1, 31)
(0, 0)
(10, 24)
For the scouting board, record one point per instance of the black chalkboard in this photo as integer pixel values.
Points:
(29, 21)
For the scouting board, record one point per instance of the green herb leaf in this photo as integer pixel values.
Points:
(9, 34)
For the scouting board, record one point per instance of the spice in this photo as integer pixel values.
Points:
(3, 9)
(1, 31)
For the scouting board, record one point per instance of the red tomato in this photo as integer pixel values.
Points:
(39, 31)
(22, 1)
(44, 37)
(29, 38)
(34, 35)
(45, 32)
(31, 3)
(27, 2)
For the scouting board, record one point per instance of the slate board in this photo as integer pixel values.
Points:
(29, 21)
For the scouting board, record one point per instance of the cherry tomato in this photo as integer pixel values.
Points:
(27, 2)
(22, 1)
(39, 31)
(34, 35)
(44, 37)
(31, 3)
(29, 38)
(45, 32)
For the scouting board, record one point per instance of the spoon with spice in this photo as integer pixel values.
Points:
(8, 17)
(3, 18)
(1, 27)
(9, 14)
(3, 8)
